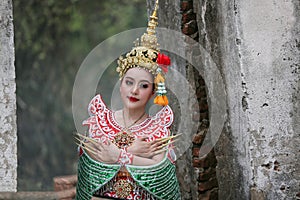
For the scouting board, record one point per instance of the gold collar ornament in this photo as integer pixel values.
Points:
(125, 138)
(146, 55)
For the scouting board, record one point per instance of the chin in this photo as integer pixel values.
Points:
(135, 105)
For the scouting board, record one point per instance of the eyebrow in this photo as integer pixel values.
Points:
(139, 81)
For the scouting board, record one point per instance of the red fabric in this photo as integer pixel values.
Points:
(125, 158)
(164, 61)
(103, 126)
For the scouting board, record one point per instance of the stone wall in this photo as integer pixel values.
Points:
(259, 42)
(256, 47)
(269, 46)
(196, 175)
(8, 127)
(204, 167)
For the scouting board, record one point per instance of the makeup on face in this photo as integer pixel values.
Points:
(133, 99)
(142, 84)
(136, 87)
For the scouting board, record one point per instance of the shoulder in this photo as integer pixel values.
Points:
(164, 116)
(100, 122)
(156, 126)
(97, 105)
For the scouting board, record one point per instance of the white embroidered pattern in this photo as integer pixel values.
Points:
(103, 126)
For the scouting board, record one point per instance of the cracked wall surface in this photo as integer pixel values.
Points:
(8, 127)
(259, 42)
(270, 67)
(256, 46)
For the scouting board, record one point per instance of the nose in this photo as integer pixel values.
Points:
(135, 89)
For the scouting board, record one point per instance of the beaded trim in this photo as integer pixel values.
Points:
(159, 180)
(92, 175)
(125, 158)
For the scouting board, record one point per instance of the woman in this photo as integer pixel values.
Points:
(128, 154)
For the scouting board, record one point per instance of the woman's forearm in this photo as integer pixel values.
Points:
(142, 161)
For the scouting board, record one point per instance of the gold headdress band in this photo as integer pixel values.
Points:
(146, 55)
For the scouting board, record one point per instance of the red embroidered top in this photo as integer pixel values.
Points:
(103, 127)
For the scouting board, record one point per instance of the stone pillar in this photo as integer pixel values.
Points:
(256, 47)
(8, 126)
(259, 151)
(269, 46)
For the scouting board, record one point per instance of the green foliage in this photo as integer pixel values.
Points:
(52, 38)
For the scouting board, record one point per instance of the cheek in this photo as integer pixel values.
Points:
(122, 90)
(123, 85)
(148, 93)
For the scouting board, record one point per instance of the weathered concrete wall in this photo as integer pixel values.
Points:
(234, 166)
(258, 41)
(256, 45)
(170, 17)
(8, 127)
(270, 71)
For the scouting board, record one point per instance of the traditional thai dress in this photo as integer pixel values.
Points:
(126, 181)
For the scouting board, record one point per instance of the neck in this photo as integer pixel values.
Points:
(131, 115)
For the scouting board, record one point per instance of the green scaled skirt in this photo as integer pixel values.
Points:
(159, 179)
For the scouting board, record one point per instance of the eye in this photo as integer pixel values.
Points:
(144, 85)
(127, 82)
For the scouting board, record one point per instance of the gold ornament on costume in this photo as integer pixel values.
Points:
(125, 138)
(123, 188)
(146, 55)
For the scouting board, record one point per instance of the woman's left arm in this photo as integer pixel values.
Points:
(142, 148)
(147, 149)
(109, 153)
(141, 161)
(103, 152)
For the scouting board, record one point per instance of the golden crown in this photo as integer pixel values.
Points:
(145, 52)
(146, 55)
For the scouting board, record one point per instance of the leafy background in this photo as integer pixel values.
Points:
(52, 38)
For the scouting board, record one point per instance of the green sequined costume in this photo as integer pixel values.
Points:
(152, 182)
(159, 179)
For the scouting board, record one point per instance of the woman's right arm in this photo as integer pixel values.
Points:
(142, 161)
(140, 147)
(103, 152)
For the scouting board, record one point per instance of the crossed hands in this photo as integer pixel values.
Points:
(140, 147)
(108, 152)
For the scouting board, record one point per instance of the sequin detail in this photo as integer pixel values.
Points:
(92, 175)
(148, 182)
(159, 180)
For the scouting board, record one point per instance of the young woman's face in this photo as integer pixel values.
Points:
(136, 88)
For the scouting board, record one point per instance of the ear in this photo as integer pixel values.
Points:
(153, 94)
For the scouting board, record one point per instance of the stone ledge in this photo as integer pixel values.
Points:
(35, 195)
(64, 182)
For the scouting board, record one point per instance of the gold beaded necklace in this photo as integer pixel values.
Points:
(125, 138)
(125, 126)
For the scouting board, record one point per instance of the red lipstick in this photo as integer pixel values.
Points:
(133, 99)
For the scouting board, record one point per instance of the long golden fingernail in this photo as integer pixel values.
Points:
(87, 138)
(160, 151)
(88, 148)
(162, 146)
